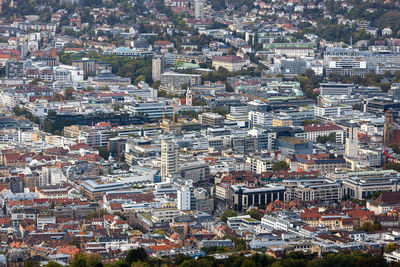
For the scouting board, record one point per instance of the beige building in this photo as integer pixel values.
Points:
(169, 159)
(294, 51)
(259, 165)
(279, 121)
(231, 63)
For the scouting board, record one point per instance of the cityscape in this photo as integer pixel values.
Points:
(199, 133)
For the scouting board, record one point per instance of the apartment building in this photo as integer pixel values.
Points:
(259, 164)
(169, 158)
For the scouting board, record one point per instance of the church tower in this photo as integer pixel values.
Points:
(189, 97)
(388, 128)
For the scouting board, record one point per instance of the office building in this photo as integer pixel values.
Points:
(211, 119)
(197, 171)
(154, 110)
(238, 113)
(332, 111)
(293, 145)
(347, 66)
(295, 66)
(243, 144)
(95, 191)
(240, 198)
(173, 82)
(320, 162)
(169, 159)
(261, 138)
(260, 119)
(257, 105)
(313, 132)
(336, 89)
(360, 185)
(312, 189)
(157, 68)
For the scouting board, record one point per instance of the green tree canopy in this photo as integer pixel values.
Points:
(280, 166)
(228, 213)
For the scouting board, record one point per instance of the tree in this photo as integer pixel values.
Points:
(228, 213)
(396, 148)
(367, 227)
(103, 152)
(280, 166)
(94, 260)
(387, 74)
(139, 264)
(135, 255)
(248, 263)
(52, 264)
(228, 87)
(139, 79)
(390, 247)
(79, 260)
(309, 122)
(254, 214)
(240, 244)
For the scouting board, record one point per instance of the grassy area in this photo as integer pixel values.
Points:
(147, 215)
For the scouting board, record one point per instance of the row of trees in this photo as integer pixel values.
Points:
(139, 258)
(135, 68)
(24, 112)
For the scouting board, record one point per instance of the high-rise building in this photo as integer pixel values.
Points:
(51, 176)
(199, 9)
(183, 198)
(352, 142)
(169, 159)
(157, 67)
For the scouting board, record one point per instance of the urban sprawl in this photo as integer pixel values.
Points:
(204, 133)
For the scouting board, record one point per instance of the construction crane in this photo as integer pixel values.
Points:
(388, 156)
(83, 226)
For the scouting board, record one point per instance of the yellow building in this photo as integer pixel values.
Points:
(282, 121)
